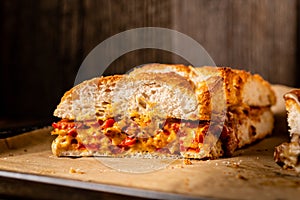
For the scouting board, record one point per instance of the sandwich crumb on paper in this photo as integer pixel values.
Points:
(187, 162)
(76, 171)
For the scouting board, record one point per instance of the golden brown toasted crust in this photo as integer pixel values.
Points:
(293, 94)
(238, 86)
(250, 123)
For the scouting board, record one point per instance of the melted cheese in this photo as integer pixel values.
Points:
(111, 139)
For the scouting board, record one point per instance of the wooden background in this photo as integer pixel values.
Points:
(43, 42)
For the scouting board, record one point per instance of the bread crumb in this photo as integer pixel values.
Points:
(77, 171)
(187, 162)
(235, 165)
(239, 176)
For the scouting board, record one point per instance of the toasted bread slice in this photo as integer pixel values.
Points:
(240, 86)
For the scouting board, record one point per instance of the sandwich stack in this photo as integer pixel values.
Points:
(162, 110)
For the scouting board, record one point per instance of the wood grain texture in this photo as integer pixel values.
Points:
(43, 43)
(118, 16)
(28, 57)
(258, 36)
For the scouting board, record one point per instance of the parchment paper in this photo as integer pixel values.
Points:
(250, 174)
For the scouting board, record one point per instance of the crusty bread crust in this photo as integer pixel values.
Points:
(241, 87)
(250, 123)
(292, 102)
(288, 154)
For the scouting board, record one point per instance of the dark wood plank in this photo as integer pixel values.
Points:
(258, 36)
(260, 43)
(29, 57)
(71, 38)
(206, 22)
(103, 19)
(286, 46)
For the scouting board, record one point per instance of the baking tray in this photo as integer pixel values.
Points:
(28, 169)
(44, 187)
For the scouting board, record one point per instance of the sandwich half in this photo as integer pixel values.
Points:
(164, 111)
(287, 154)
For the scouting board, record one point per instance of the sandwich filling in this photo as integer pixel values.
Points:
(114, 137)
(171, 137)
